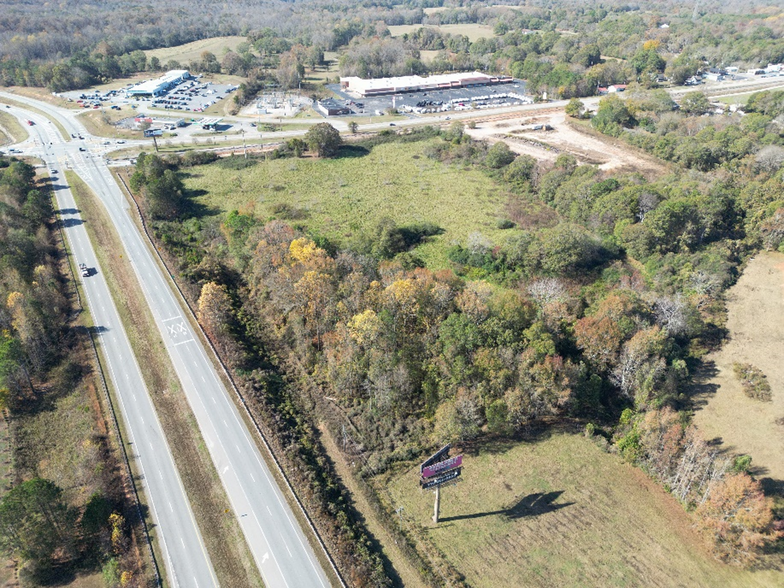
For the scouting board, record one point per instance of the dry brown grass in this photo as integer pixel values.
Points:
(233, 563)
(41, 94)
(101, 123)
(192, 51)
(10, 130)
(755, 307)
(559, 511)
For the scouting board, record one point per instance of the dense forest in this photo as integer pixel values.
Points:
(568, 50)
(598, 311)
(64, 509)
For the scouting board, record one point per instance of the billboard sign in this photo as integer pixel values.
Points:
(439, 455)
(442, 466)
(442, 479)
(153, 133)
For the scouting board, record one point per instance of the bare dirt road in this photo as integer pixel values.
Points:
(608, 153)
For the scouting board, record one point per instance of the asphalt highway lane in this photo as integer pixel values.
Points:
(185, 557)
(278, 544)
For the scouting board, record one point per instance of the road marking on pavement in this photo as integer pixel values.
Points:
(226, 469)
(178, 330)
(268, 510)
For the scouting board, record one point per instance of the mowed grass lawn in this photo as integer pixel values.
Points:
(344, 197)
(560, 512)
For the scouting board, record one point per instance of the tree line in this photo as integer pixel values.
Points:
(568, 50)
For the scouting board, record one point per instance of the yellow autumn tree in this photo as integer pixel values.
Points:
(214, 307)
(365, 327)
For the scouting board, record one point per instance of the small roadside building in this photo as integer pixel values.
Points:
(330, 107)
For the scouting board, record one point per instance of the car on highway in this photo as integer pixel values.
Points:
(82, 149)
(84, 270)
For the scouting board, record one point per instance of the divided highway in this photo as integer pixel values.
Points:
(278, 544)
(185, 557)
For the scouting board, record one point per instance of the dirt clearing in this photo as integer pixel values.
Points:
(755, 320)
(587, 146)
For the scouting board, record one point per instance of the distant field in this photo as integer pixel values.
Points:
(471, 30)
(193, 51)
(755, 306)
(346, 196)
(560, 512)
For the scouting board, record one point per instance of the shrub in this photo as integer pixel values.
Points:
(755, 384)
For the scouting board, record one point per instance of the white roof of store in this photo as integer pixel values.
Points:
(150, 86)
(412, 81)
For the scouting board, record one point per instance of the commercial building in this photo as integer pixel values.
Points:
(160, 86)
(330, 107)
(382, 86)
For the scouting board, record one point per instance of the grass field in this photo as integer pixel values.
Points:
(344, 197)
(222, 536)
(42, 94)
(736, 98)
(755, 306)
(192, 51)
(101, 123)
(560, 512)
(471, 30)
(10, 130)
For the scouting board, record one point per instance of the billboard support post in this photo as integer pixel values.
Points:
(437, 470)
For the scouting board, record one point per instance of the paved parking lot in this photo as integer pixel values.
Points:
(190, 96)
(437, 100)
